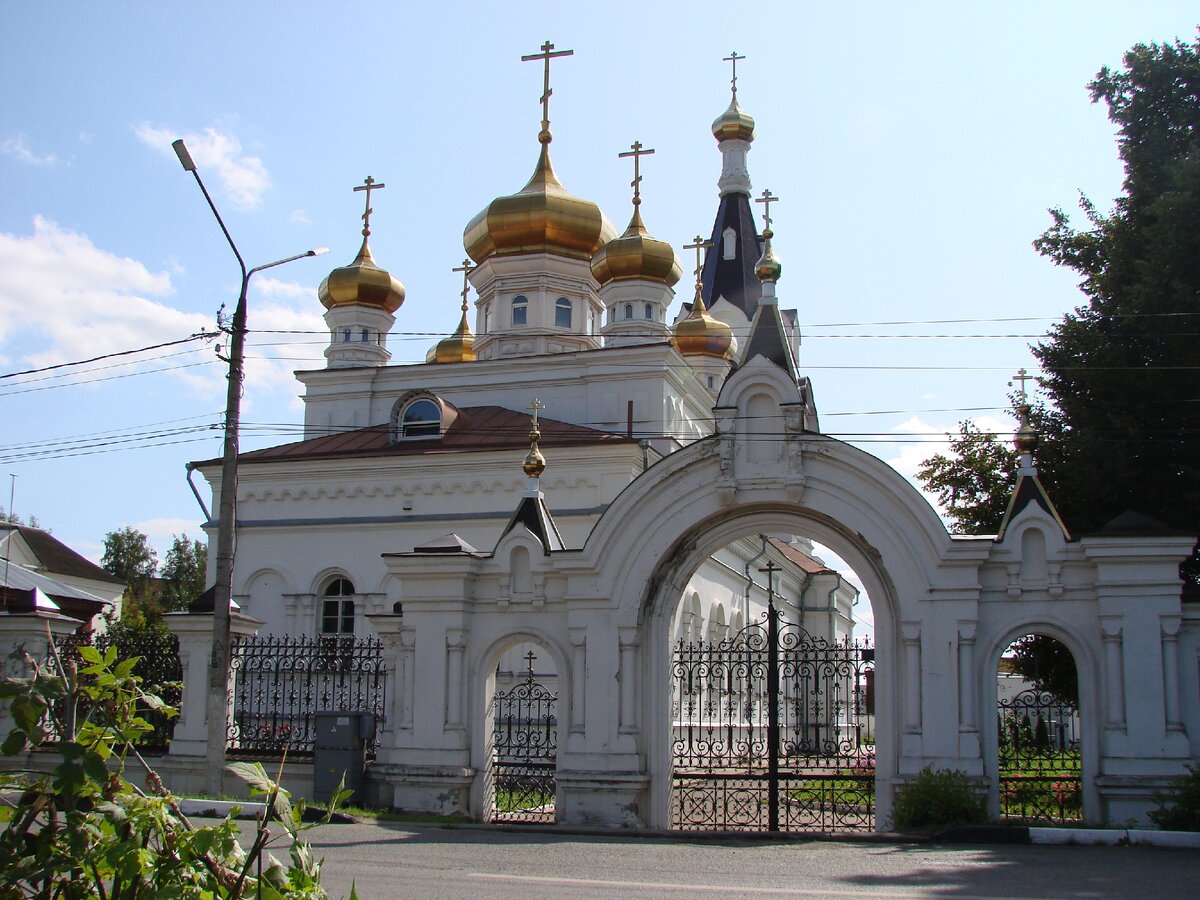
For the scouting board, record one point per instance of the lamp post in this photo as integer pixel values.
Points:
(218, 681)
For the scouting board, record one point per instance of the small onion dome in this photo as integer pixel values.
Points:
(542, 218)
(362, 283)
(1026, 439)
(535, 463)
(459, 347)
(768, 268)
(636, 254)
(735, 124)
(700, 333)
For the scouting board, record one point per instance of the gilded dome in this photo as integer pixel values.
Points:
(362, 283)
(1026, 438)
(542, 218)
(459, 347)
(700, 333)
(768, 267)
(636, 254)
(735, 124)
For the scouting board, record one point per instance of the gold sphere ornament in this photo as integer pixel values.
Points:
(362, 283)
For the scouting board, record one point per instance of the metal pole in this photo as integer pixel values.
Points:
(218, 672)
(772, 701)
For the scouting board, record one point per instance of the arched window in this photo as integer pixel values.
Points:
(337, 609)
(629, 310)
(345, 335)
(729, 244)
(520, 309)
(649, 311)
(562, 313)
(487, 319)
(421, 418)
(366, 336)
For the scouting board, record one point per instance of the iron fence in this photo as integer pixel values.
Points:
(772, 731)
(278, 683)
(1040, 759)
(524, 752)
(157, 654)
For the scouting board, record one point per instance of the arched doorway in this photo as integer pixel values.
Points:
(1039, 738)
(772, 724)
(523, 722)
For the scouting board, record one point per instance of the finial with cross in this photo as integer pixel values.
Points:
(635, 150)
(546, 55)
(770, 569)
(700, 246)
(368, 185)
(529, 658)
(766, 200)
(733, 58)
(1022, 376)
(466, 269)
(536, 406)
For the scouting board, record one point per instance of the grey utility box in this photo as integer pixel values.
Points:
(340, 752)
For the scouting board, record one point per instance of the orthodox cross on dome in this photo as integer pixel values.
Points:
(766, 200)
(733, 58)
(1022, 376)
(635, 150)
(536, 406)
(770, 569)
(546, 55)
(466, 268)
(368, 185)
(700, 246)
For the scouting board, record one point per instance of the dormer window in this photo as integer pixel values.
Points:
(729, 244)
(421, 418)
(562, 313)
(520, 309)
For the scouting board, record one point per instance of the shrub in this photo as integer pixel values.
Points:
(85, 830)
(1179, 806)
(940, 797)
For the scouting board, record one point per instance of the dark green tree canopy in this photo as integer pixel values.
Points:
(1122, 373)
(129, 556)
(183, 572)
(973, 481)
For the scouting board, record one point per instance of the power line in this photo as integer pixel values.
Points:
(200, 335)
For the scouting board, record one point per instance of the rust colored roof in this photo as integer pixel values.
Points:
(802, 560)
(475, 429)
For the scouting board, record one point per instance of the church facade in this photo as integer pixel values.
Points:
(583, 477)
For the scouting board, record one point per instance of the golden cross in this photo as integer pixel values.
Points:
(733, 58)
(546, 92)
(635, 150)
(699, 246)
(465, 268)
(535, 406)
(766, 200)
(368, 185)
(1022, 376)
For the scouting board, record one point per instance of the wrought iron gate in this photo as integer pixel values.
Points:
(772, 732)
(524, 751)
(1039, 754)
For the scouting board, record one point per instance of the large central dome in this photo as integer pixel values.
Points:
(542, 218)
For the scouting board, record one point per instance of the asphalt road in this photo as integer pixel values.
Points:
(393, 861)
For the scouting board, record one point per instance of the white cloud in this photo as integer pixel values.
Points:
(18, 148)
(277, 287)
(287, 333)
(300, 217)
(244, 179)
(62, 299)
(161, 532)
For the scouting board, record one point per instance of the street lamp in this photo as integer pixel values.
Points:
(218, 676)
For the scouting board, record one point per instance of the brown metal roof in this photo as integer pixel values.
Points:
(802, 560)
(475, 429)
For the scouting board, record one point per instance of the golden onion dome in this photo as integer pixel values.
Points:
(700, 333)
(542, 218)
(636, 254)
(735, 124)
(459, 347)
(1026, 438)
(768, 267)
(362, 283)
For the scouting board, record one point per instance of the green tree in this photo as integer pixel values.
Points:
(973, 481)
(183, 572)
(129, 556)
(1048, 665)
(1122, 373)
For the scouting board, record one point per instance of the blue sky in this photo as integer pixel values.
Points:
(916, 148)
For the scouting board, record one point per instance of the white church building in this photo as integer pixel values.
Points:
(578, 474)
